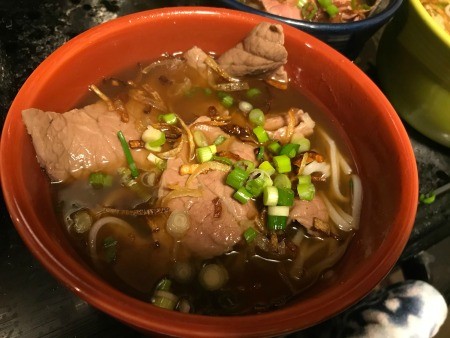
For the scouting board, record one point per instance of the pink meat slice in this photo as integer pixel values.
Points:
(304, 212)
(209, 235)
(80, 141)
(287, 9)
(276, 125)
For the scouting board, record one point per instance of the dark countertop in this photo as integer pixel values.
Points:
(32, 302)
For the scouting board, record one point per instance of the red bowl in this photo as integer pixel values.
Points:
(375, 135)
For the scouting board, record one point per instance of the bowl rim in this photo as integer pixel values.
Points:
(130, 310)
(430, 22)
(333, 28)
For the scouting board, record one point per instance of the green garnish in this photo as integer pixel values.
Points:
(242, 195)
(100, 180)
(236, 178)
(128, 156)
(250, 234)
(256, 117)
(110, 249)
(431, 196)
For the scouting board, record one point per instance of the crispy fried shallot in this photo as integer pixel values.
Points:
(217, 207)
(135, 212)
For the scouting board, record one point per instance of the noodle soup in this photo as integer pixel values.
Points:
(242, 198)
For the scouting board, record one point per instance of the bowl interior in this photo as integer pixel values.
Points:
(383, 153)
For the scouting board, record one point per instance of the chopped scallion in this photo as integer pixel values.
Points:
(242, 195)
(221, 159)
(157, 142)
(151, 134)
(157, 161)
(282, 181)
(204, 154)
(270, 196)
(290, 150)
(261, 134)
(128, 156)
(275, 223)
(252, 92)
(278, 210)
(255, 186)
(219, 140)
(250, 234)
(260, 153)
(169, 118)
(164, 299)
(282, 164)
(100, 180)
(200, 138)
(304, 179)
(256, 117)
(267, 167)
(246, 165)
(245, 107)
(227, 101)
(164, 284)
(274, 147)
(236, 178)
(304, 143)
(306, 192)
(285, 197)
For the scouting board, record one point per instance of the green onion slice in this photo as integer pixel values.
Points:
(221, 159)
(267, 167)
(285, 197)
(306, 192)
(236, 178)
(282, 164)
(303, 143)
(170, 118)
(250, 234)
(227, 101)
(256, 117)
(290, 150)
(128, 156)
(278, 210)
(252, 92)
(100, 180)
(242, 195)
(270, 196)
(275, 223)
(219, 140)
(204, 154)
(282, 181)
(261, 134)
(246, 165)
(255, 186)
(260, 153)
(274, 147)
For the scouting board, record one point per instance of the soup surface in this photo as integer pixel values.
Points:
(258, 266)
(203, 185)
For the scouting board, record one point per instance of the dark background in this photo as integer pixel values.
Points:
(33, 303)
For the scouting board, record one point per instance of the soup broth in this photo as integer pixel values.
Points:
(264, 267)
